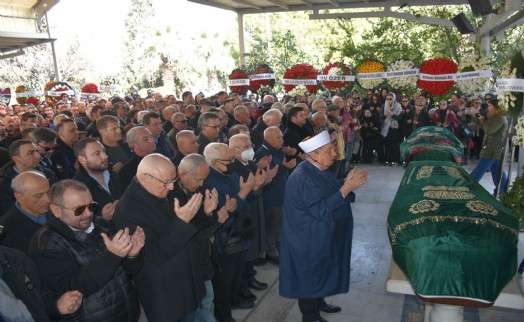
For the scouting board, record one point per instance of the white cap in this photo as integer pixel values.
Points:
(315, 142)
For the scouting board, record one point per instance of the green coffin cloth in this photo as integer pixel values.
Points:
(431, 143)
(451, 238)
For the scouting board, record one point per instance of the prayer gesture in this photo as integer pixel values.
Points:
(289, 150)
(289, 164)
(231, 204)
(190, 209)
(138, 239)
(210, 201)
(260, 179)
(69, 302)
(108, 210)
(354, 180)
(246, 186)
(120, 245)
(264, 162)
(271, 173)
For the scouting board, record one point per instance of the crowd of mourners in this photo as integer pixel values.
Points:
(109, 204)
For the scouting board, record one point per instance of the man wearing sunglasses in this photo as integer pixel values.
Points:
(73, 252)
(45, 141)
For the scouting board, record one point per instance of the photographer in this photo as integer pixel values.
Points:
(494, 125)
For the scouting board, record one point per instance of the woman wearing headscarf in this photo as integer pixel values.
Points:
(416, 118)
(391, 130)
(445, 117)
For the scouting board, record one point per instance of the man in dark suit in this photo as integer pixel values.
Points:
(209, 125)
(29, 212)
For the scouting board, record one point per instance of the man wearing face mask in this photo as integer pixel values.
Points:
(228, 240)
(254, 234)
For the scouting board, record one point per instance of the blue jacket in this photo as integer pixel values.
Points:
(317, 231)
(274, 192)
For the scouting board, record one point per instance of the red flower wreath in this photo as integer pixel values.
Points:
(437, 66)
(33, 100)
(255, 84)
(25, 100)
(338, 86)
(6, 96)
(90, 88)
(54, 86)
(301, 71)
(238, 74)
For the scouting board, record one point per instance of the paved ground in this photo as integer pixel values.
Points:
(367, 300)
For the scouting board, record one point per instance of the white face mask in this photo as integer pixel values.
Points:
(248, 155)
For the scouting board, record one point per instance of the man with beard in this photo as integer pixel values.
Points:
(317, 230)
(104, 185)
(295, 131)
(74, 252)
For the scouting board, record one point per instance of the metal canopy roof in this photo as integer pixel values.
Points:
(264, 6)
(19, 25)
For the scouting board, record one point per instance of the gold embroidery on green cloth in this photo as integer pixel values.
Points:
(482, 207)
(411, 175)
(445, 188)
(424, 206)
(448, 195)
(454, 172)
(424, 172)
(393, 233)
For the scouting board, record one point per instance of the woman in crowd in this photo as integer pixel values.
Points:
(390, 129)
(416, 118)
(445, 117)
(370, 132)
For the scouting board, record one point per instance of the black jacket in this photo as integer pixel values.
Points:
(203, 141)
(257, 133)
(18, 229)
(206, 226)
(294, 134)
(66, 264)
(99, 194)
(170, 284)
(64, 159)
(7, 174)
(128, 171)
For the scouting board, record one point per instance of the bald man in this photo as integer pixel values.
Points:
(170, 284)
(187, 143)
(29, 213)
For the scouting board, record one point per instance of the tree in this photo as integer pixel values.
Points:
(141, 60)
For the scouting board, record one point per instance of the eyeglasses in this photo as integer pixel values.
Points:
(46, 148)
(78, 211)
(216, 127)
(182, 121)
(166, 183)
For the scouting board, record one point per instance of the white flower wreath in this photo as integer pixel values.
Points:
(474, 87)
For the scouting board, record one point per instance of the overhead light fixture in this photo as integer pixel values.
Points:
(462, 23)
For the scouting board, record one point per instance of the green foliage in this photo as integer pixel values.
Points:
(514, 199)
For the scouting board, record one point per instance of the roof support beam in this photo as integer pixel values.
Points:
(306, 2)
(248, 4)
(335, 3)
(492, 24)
(384, 14)
(280, 4)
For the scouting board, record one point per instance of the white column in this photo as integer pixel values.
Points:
(55, 61)
(241, 42)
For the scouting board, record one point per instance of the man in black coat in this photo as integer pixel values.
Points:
(193, 170)
(209, 125)
(187, 143)
(272, 117)
(72, 252)
(170, 284)
(104, 184)
(29, 213)
(295, 130)
(141, 143)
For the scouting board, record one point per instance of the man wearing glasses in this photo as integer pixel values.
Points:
(45, 141)
(209, 125)
(170, 284)
(73, 252)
